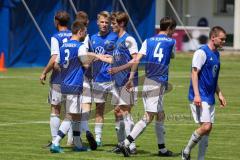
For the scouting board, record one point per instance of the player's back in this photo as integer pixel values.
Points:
(159, 50)
(71, 68)
(61, 37)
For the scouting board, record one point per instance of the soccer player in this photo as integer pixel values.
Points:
(157, 50)
(125, 50)
(203, 86)
(102, 42)
(73, 57)
(82, 16)
(61, 20)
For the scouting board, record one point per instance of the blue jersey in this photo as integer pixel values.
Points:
(102, 45)
(207, 77)
(121, 56)
(159, 50)
(71, 68)
(62, 37)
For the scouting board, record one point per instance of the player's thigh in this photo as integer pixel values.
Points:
(73, 104)
(55, 95)
(153, 94)
(204, 113)
(122, 97)
(87, 92)
(101, 91)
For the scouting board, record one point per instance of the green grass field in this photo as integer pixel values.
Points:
(24, 115)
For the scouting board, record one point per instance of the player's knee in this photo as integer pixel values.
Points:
(207, 127)
(147, 118)
(160, 116)
(55, 109)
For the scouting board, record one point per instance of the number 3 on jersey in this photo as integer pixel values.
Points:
(66, 58)
(158, 52)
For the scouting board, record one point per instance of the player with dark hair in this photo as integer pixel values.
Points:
(126, 49)
(158, 51)
(61, 20)
(72, 60)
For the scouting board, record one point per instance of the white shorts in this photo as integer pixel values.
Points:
(101, 90)
(55, 95)
(152, 94)
(122, 97)
(87, 93)
(205, 113)
(72, 103)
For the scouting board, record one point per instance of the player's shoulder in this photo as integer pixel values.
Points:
(130, 38)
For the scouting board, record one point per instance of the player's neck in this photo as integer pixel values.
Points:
(211, 46)
(162, 32)
(103, 33)
(121, 32)
(62, 28)
(75, 37)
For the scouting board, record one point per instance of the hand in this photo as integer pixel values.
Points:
(129, 85)
(113, 70)
(197, 101)
(222, 101)
(105, 58)
(43, 78)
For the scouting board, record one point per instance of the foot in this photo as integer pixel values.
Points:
(165, 154)
(81, 149)
(90, 138)
(56, 149)
(47, 145)
(185, 156)
(116, 150)
(133, 151)
(125, 150)
(99, 143)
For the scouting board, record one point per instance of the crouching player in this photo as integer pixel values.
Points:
(72, 60)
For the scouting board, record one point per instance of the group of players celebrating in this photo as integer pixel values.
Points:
(85, 69)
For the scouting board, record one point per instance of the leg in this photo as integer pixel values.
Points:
(55, 120)
(160, 132)
(137, 130)
(203, 115)
(86, 108)
(85, 113)
(99, 122)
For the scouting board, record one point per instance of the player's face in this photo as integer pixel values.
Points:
(170, 32)
(115, 26)
(82, 34)
(103, 24)
(219, 40)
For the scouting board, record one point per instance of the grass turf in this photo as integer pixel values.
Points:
(24, 127)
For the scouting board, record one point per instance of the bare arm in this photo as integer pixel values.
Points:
(135, 63)
(47, 69)
(221, 98)
(91, 56)
(197, 99)
(114, 70)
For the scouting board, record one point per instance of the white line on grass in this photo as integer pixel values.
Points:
(169, 124)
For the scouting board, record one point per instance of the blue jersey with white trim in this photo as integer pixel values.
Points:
(158, 54)
(207, 77)
(102, 45)
(62, 37)
(121, 56)
(71, 68)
